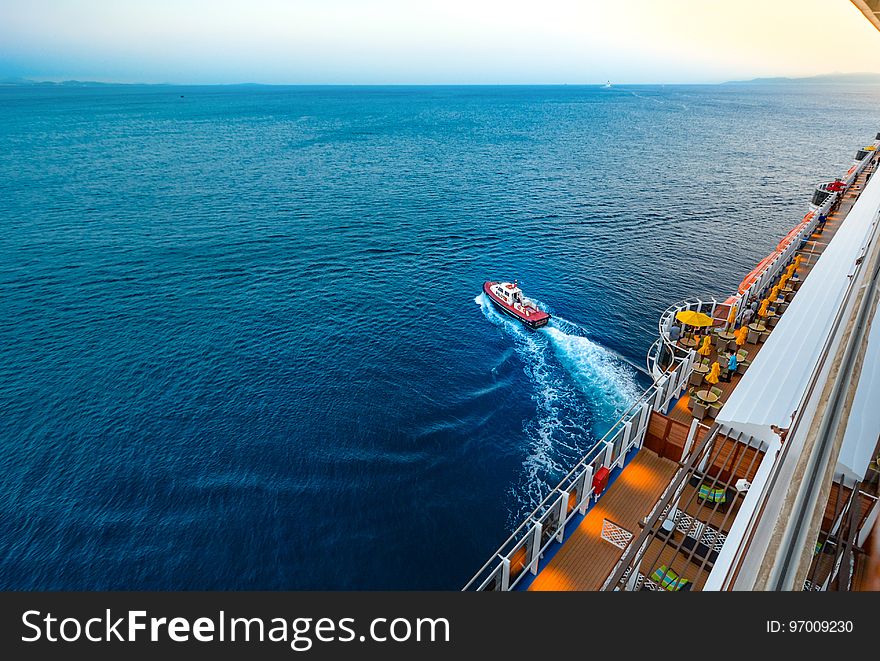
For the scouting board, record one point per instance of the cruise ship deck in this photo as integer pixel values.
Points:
(591, 553)
(651, 507)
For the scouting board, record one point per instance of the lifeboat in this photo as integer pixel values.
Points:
(508, 297)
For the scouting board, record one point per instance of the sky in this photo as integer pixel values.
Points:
(432, 41)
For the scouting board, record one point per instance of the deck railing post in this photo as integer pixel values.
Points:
(645, 421)
(658, 396)
(563, 513)
(588, 489)
(536, 547)
(609, 451)
(627, 436)
(505, 574)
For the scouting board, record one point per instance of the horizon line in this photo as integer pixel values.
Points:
(23, 81)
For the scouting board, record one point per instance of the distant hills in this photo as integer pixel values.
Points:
(64, 83)
(826, 79)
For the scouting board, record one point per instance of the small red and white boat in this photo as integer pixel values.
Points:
(508, 297)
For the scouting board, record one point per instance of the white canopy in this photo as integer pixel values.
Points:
(775, 382)
(863, 425)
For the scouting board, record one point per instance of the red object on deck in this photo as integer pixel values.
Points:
(600, 480)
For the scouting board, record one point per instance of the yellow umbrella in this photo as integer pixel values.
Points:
(731, 316)
(797, 262)
(693, 318)
(714, 374)
(706, 349)
(741, 336)
(774, 293)
(790, 270)
(762, 311)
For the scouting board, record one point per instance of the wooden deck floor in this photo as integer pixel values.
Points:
(585, 560)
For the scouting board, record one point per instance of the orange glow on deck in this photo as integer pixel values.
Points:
(640, 477)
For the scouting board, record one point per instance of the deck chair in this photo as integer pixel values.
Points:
(696, 379)
(670, 580)
(713, 409)
(741, 366)
(763, 337)
(715, 390)
(699, 410)
(752, 337)
(720, 344)
(741, 355)
(712, 494)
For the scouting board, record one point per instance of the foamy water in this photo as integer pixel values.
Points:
(579, 389)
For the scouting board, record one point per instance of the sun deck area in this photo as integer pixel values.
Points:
(594, 548)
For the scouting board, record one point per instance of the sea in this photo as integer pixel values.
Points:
(242, 338)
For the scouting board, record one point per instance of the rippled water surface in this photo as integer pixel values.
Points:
(242, 343)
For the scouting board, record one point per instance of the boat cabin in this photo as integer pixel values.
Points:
(509, 293)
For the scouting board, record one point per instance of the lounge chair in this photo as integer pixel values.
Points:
(669, 580)
(715, 496)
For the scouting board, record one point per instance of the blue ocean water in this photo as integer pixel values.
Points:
(242, 344)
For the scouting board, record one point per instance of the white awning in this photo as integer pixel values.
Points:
(863, 425)
(775, 382)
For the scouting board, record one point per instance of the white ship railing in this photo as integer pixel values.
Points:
(664, 352)
(521, 553)
(760, 287)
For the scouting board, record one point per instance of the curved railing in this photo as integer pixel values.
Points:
(664, 353)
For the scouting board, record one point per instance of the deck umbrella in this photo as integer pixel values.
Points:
(741, 335)
(762, 311)
(714, 374)
(774, 293)
(693, 318)
(731, 316)
(797, 262)
(706, 350)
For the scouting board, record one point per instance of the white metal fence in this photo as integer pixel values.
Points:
(546, 525)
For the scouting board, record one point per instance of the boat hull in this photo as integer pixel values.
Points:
(534, 321)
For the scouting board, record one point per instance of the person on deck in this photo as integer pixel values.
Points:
(747, 317)
(731, 367)
(821, 225)
(674, 333)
